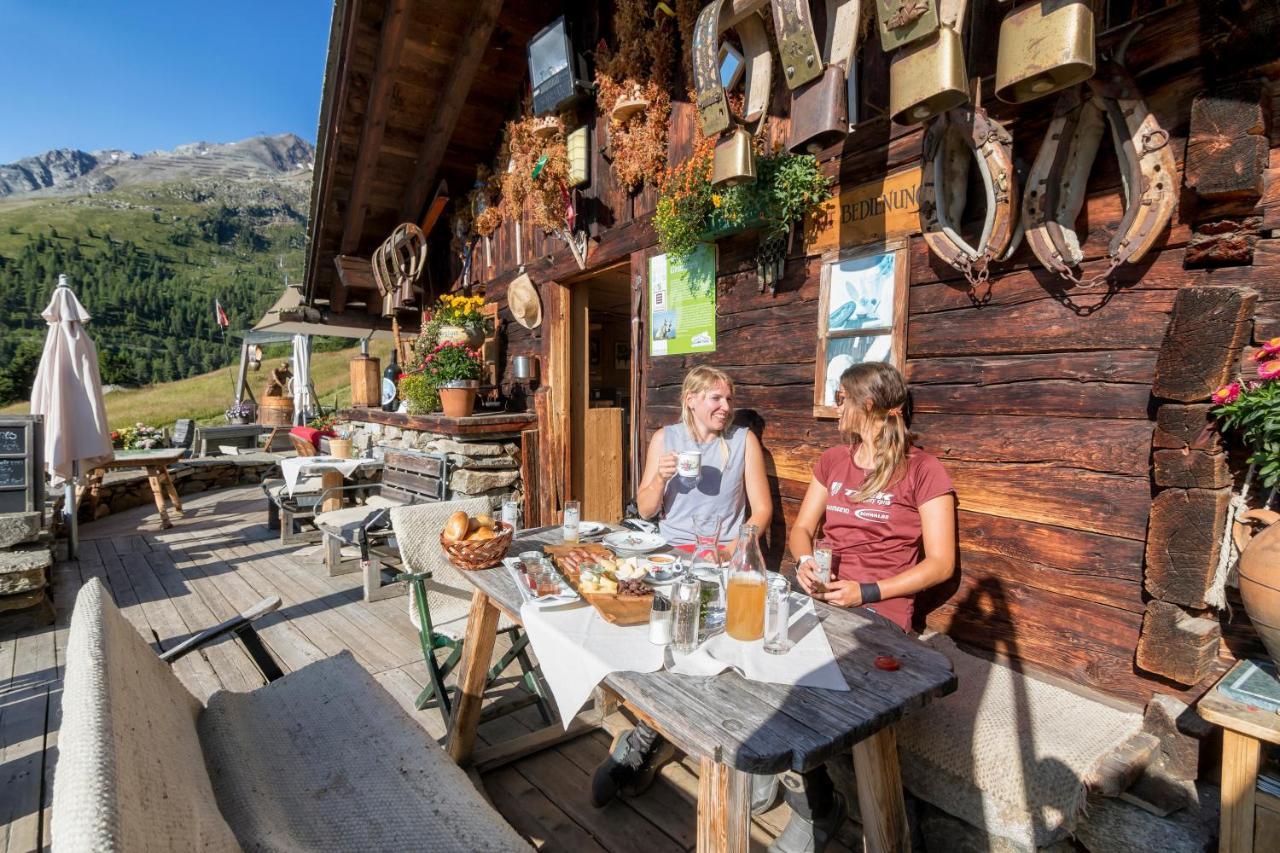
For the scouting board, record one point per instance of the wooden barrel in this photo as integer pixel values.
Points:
(276, 411)
(366, 381)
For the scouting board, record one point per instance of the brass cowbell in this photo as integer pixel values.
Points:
(819, 113)
(1045, 46)
(927, 78)
(735, 159)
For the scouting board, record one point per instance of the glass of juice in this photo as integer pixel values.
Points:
(745, 619)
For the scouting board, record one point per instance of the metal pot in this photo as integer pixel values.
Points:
(524, 367)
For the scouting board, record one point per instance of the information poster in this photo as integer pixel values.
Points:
(682, 302)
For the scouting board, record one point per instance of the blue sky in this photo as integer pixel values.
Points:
(142, 75)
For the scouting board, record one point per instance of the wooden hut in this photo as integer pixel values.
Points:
(1073, 420)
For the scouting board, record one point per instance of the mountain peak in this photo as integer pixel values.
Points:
(70, 171)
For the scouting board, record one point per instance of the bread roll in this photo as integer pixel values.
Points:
(484, 520)
(456, 527)
(481, 533)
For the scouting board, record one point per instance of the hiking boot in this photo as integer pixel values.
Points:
(634, 759)
(810, 835)
(764, 792)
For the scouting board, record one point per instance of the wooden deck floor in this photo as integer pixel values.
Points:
(220, 559)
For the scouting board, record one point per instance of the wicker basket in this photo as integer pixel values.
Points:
(480, 554)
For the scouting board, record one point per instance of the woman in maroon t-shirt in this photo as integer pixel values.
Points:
(879, 500)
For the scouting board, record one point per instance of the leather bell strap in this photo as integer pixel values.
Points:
(802, 58)
(1056, 184)
(713, 103)
(954, 139)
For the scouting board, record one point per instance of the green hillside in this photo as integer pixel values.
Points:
(148, 263)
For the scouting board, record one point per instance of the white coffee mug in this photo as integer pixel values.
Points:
(689, 464)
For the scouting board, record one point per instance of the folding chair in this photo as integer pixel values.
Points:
(440, 601)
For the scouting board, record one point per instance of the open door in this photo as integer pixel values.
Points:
(600, 313)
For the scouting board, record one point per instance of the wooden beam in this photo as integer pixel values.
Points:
(354, 273)
(452, 96)
(395, 23)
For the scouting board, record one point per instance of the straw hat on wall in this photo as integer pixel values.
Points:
(522, 299)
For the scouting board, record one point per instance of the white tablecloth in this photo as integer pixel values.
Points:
(293, 467)
(809, 663)
(576, 648)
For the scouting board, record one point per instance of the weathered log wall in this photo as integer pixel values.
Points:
(1037, 397)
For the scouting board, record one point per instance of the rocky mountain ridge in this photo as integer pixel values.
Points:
(69, 171)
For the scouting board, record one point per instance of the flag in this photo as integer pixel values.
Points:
(221, 314)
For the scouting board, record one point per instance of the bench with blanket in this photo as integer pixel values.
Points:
(320, 759)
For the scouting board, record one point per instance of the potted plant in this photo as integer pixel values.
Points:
(458, 319)
(454, 370)
(241, 413)
(418, 393)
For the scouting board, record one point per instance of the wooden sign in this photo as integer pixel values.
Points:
(868, 213)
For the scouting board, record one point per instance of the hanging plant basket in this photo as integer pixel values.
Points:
(546, 127)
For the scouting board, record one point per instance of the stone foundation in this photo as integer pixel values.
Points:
(26, 559)
(478, 467)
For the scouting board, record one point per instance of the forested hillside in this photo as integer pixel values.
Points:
(148, 263)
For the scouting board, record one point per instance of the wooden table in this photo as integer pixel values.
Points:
(1244, 728)
(156, 463)
(737, 727)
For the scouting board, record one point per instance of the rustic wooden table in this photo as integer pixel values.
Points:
(156, 463)
(738, 727)
(1244, 728)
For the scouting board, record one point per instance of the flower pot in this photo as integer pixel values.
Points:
(629, 105)
(1260, 575)
(460, 335)
(239, 420)
(458, 399)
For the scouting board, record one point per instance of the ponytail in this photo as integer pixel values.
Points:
(884, 386)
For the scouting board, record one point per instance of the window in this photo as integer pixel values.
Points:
(862, 316)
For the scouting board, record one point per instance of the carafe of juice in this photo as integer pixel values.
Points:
(746, 588)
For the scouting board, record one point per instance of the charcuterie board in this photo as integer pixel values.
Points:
(613, 608)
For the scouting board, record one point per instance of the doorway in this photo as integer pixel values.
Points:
(601, 406)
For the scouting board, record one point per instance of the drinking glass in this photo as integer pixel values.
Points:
(686, 602)
(822, 558)
(511, 514)
(572, 518)
(777, 615)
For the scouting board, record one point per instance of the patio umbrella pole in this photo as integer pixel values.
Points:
(73, 514)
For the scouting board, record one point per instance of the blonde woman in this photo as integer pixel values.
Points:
(731, 477)
(887, 508)
(732, 474)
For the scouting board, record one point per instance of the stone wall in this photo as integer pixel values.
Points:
(488, 467)
(129, 488)
(26, 555)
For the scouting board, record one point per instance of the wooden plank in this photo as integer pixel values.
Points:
(355, 273)
(880, 801)
(29, 691)
(1190, 427)
(1202, 347)
(724, 808)
(534, 815)
(1127, 366)
(1227, 145)
(602, 490)
(1191, 469)
(1240, 759)
(451, 98)
(1116, 446)
(1177, 645)
(1072, 498)
(482, 625)
(502, 754)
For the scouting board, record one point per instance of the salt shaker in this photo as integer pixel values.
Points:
(660, 619)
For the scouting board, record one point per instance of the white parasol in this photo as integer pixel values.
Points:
(301, 382)
(68, 392)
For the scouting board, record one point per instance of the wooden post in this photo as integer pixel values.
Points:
(724, 808)
(242, 373)
(1239, 776)
(482, 630)
(884, 813)
(332, 500)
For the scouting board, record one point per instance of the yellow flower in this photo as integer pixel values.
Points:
(715, 200)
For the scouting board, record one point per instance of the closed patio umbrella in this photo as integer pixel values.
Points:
(302, 403)
(68, 392)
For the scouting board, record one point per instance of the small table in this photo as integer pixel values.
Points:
(1244, 728)
(156, 463)
(332, 472)
(737, 727)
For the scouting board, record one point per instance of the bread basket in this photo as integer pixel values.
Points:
(479, 554)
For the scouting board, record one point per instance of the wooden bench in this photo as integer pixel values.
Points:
(209, 438)
(407, 478)
(320, 759)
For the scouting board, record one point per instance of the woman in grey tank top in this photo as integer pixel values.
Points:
(732, 471)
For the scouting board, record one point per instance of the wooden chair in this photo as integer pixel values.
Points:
(302, 446)
(440, 602)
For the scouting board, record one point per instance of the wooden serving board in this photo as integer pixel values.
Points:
(615, 609)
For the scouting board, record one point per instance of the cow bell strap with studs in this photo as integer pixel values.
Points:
(1056, 185)
(802, 58)
(952, 141)
(820, 106)
(713, 103)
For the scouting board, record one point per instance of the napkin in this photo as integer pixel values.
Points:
(809, 663)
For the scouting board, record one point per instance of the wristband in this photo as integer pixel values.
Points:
(870, 592)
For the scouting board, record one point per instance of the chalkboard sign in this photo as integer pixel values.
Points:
(13, 473)
(13, 440)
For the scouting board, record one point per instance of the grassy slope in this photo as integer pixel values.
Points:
(205, 397)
